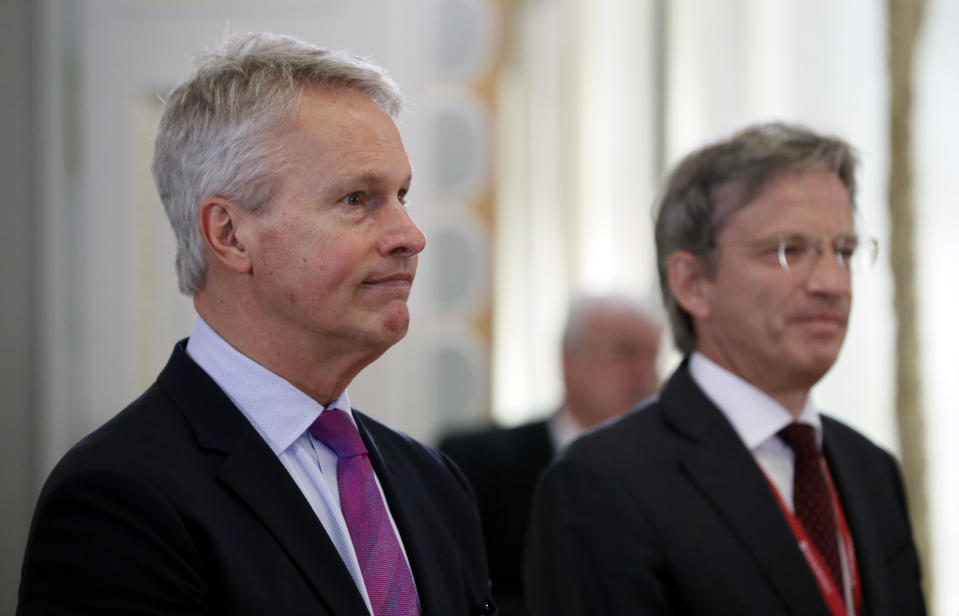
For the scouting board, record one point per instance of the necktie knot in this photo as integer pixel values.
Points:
(801, 438)
(334, 429)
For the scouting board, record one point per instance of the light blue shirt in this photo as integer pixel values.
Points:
(281, 414)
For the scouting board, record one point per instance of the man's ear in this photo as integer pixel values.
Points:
(689, 282)
(219, 221)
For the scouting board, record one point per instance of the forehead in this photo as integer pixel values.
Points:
(812, 200)
(616, 323)
(345, 131)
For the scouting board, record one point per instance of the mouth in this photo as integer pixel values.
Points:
(822, 321)
(399, 280)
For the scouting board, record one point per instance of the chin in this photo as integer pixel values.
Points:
(394, 327)
(379, 331)
(816, 367)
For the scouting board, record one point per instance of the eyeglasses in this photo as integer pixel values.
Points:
(854, 253)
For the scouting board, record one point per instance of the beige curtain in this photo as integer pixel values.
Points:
(905, 17)
(576, 165)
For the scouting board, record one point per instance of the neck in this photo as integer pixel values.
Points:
(793, 401)
(792, 396)
(580, 415)
(320, 369)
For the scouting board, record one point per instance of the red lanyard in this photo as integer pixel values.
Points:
(832, 595)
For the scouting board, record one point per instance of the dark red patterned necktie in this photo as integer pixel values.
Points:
(812, 499)
(386, 574)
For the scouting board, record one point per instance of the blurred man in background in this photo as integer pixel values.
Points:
(609, 352)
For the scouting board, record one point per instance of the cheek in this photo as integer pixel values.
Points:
(616, 375)
(763, 295)
(339, 264)
(299, 262)
(314, 251)
(753, 311)
(780, 304)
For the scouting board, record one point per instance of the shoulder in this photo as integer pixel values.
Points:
(112, 488)
(855, 454)
(149, 428)
(182, 411)
(161, 439)
(873, 494)
(384, 436)
(406, 455)
(491, 441)
(493, 455)
(836, 431)
(133, 467)
(640, 434)
(842, 440)
(662, 429)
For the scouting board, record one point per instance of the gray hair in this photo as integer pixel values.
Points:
(711, 184)
(583, 307)
(220, 131)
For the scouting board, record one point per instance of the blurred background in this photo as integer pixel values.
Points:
(539, 131)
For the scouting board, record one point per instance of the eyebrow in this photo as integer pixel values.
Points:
(370, 178)
(332, 188)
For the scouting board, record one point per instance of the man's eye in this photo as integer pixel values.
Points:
(845, 248)
(402, 196)
(354, 198)
(794, 247)
(846, 252)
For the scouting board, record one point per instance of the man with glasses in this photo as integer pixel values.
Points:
(730, 493)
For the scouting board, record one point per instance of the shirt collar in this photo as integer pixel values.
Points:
(279, 412)
(754, 415)
(564, 429)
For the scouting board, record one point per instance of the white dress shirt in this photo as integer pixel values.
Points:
(281, 414)
(757, 418)
(563, 430)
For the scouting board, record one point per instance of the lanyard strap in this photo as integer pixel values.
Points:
(830, 592)
(851, 564)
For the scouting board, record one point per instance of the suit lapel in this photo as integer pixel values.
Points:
(855, 498)
(260, 482)
(726, 472)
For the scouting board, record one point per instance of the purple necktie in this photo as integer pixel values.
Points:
(386, 574)
(812, 499)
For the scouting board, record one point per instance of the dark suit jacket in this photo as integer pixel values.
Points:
(503, 466)
(177, 506)
(667, 512)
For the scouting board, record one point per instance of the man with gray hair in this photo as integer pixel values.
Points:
(609, 351)
(730, 493)
(241, 481)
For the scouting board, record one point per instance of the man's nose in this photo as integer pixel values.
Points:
(401, 236)
(828, 274)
